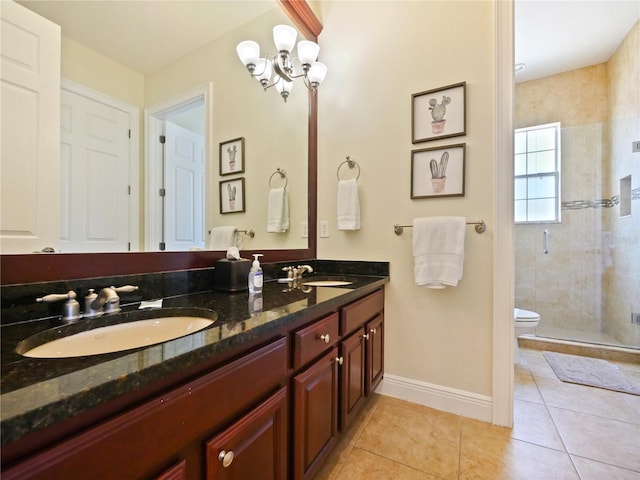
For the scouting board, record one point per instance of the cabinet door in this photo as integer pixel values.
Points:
(253, 447)
(315, 417)
(352, 377)
(375, 352)
(176, 472)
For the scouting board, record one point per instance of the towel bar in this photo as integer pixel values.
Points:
(251, 233)
(481, 227)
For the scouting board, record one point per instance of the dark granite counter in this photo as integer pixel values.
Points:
(37, 393)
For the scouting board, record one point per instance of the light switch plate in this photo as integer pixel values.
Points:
(635, 146)
(324, 229)
(304, 230)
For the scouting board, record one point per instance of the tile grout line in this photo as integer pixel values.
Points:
(546, 407)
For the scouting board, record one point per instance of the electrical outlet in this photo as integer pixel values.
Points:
(304, 229)
(324, 229)
(635, 318)
(635, 146)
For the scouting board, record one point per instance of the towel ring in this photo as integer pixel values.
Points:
(283, 174)
(351, 164)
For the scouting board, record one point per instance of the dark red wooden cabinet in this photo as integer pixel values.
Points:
(274, 413)
(144, 442)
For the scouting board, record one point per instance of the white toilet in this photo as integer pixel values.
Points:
(525, 320)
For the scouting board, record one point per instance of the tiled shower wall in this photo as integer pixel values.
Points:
(590, 279)
(621, 281)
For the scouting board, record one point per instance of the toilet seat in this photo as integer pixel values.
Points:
(524, 317)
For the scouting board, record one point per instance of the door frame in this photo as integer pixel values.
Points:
(134, 152)
(154, 117)
(503, 249)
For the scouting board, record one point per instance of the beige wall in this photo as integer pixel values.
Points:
(380, 53)
(97, 72)
(582, 284)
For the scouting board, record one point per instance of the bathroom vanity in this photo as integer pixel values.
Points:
(261, 393)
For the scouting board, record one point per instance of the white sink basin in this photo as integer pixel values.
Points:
(123, 336)
(327, 283)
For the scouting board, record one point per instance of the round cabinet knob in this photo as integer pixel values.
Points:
(340, 360)
(226, 458)
(374, 331)
(366, 336)
(325, 338)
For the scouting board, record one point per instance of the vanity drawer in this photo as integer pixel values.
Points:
(311, 341)
(357, 313)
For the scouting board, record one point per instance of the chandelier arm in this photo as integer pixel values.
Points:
(281, 70)
(268, 57)
(271, 85)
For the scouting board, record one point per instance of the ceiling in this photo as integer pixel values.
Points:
(558, 36)
(550, 36)
(161, 31)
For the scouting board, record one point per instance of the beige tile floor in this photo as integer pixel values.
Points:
(562, 431)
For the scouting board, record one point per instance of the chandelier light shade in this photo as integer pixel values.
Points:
(249, 53)
(284, 37)
(308, 52)
(281, 69)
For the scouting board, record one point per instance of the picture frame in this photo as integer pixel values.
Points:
(232, 196)
(232, 157)
(438, 113)
(438, 171)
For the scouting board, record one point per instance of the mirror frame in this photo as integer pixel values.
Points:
(42, 267)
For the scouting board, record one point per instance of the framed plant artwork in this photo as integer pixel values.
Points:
(232, 195)
(438, 113)
(232, 156)
(438, 172)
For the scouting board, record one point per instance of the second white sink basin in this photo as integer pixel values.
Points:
(123, 336)
(327, 283)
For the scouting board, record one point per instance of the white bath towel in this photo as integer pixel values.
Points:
(278, 211)
(438, 251)
(222, 238)
(348, 205)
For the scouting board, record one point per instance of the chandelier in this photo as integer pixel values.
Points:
(279, 70)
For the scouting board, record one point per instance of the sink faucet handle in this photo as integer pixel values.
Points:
(126, 289)
(70, 309)
(289, 271)
(56, 297)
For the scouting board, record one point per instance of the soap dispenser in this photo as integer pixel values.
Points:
(255, 275)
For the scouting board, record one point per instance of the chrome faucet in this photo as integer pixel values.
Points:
(106, 301)
(300, 269)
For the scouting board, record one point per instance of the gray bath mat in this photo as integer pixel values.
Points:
(590, 371)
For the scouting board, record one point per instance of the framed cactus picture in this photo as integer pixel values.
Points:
(232, 196)
(438, 113)
(438, 171)
(232, 156)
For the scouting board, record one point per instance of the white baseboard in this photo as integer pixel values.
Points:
(451, 400)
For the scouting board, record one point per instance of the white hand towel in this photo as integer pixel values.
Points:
(348, 205)
(438, 251)
(221, 238)
(278, 211)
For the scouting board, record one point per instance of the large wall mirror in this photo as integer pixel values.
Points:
(224, 104)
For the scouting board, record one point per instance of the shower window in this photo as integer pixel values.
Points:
(537, 174)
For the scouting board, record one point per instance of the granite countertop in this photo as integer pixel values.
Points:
(37, 393)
